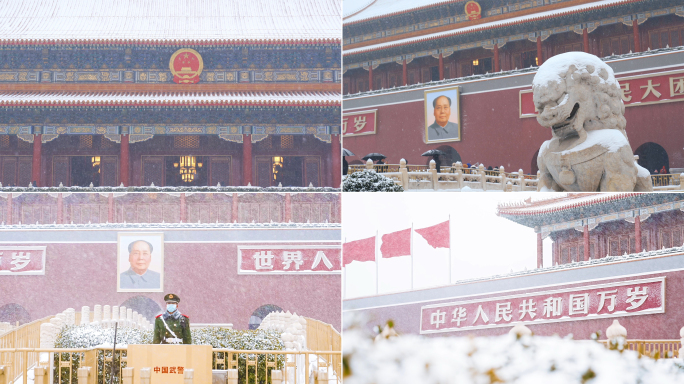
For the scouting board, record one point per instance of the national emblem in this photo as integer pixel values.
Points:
(186, 65)
(473, 10)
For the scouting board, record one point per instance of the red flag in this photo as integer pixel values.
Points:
(396, 243)
(359, 250)
(437, 235)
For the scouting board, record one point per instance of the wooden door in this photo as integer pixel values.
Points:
(312, 172)
(219, 170)
(264, 173)
(61, 171)
(109, 171)
(152, 170)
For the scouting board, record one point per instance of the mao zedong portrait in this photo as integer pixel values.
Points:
(442, 128)
(138, 276)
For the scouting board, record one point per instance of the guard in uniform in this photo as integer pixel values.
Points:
(172, 327)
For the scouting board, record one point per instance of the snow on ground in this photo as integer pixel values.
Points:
(502, 359)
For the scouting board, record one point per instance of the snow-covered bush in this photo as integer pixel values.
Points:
(90, 336)
(369, 181)
(501, 359)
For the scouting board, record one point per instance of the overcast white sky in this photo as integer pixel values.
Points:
(482, 244)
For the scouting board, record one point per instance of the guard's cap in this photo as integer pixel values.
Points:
(172, 298)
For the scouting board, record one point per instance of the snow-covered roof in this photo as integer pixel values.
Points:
(357, 10)
(170, 19)
(485, 26)
(169, 98)
(571, 201)
(172, 226)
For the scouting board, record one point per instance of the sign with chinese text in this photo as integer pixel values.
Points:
(289, 259)
(359, 123)
(663, 87)
(619, 299)
(22, 260)
(168, 363)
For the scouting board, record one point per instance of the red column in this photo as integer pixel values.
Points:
(540, 251)
(110, 207)
(183, 209)
(339, 207)
(497, 65)
(585, 36)
(336, 160)
(441, 67)
(637, 40)
(124, 159)
(60, 209)
(288, 208)
(235, 207)
(586, 243)
(370, 78)
(35, 170)
(9, 209)
(404, 75)
(246, 159)
(637, 234)
(539, 51)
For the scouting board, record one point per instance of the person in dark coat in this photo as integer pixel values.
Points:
(438, 164)
(345, 165)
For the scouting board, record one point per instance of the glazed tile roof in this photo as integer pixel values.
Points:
(169, 19)
(576, 206)
(557, 204)
(490, 25)
(168, 98)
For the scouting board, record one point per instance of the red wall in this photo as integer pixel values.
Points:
(204, 275)
(493, 133)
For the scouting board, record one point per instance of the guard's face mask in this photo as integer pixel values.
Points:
(171, 308)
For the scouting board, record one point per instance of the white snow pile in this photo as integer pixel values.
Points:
(611, 139)
(555, 68)
(93, 335)
(369, 181)
(500, 359)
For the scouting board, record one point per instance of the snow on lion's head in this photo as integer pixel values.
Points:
(576, 92)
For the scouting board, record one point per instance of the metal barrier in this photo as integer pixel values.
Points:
(663, 348)
(25, 336)
(253, 366)
(256, 366)
(321, 336)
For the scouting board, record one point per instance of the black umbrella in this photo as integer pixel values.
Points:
(374, 156)
(434, 152)
(346, 152)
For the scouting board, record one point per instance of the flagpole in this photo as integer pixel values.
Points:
(450, 249)
(345, 270)
(377, 266)
(411, 242)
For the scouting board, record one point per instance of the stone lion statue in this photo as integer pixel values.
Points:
(577, 96)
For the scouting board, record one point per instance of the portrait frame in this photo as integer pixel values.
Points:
(455, 117)
(156, 264)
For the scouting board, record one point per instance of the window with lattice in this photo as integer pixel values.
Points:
(186, 141)
(286, 141)
(23, 144)
(85, 141)
(4, 141)
(106, 143)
